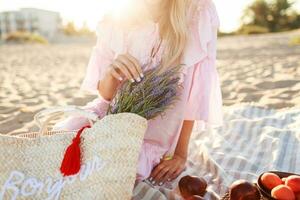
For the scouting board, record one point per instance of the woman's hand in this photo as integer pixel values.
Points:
(124, 67)
(167, 170)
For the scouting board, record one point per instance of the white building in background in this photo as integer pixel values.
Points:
(46, 23)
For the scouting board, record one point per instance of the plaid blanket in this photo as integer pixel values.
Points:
(253, 140)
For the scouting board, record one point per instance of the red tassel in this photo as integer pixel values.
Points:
(71, 162)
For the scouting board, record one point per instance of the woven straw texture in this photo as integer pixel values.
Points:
(30, 164)
(227, 197)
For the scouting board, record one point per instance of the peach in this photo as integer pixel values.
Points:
(283, 180)
(297, 196)
(282, 192)
(293, 182)
(270, 180)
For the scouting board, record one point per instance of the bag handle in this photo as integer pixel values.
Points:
(54, 112)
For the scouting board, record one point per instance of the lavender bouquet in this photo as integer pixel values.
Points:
(150, 97)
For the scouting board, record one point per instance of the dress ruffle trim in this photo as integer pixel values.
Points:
(204, 23)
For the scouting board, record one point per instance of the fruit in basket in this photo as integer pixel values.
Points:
(283, 180)
(293, 182)
(282, 192)
(270, 180)
(297, 196)
(192, 185)
(243, 190)
(195, 197)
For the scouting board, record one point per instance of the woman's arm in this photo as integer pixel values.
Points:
(169, 169)
(184, 138)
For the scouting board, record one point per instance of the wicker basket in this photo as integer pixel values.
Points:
(266, 192)
(30, 164)
(226, 196)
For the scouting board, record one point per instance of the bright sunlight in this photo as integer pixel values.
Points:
(90, 11)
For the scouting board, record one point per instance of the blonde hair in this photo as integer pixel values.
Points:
(173, 26)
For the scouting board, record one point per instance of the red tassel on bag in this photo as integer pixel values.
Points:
(71, 162)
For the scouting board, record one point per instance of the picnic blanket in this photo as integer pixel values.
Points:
(253, 140)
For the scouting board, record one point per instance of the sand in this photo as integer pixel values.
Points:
(262, 69)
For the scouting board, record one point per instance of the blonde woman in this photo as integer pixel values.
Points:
(170, 32)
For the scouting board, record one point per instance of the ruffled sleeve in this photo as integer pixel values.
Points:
(101, 57)
(204, 101)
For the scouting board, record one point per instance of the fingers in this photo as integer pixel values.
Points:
(154, 172)
(123, 69)
(160, 176)
(126, 66)
(175, 174)
(136, 64)
(163, 173)
(115, 74)
(131, 65)
(157, 173)
(168, 175)
(166, 171)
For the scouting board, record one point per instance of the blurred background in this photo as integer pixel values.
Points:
(45, 47)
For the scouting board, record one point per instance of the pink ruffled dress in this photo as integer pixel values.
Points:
(201, 99)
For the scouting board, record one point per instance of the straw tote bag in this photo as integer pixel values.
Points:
(31, 163)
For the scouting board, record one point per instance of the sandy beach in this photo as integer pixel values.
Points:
(264, 69)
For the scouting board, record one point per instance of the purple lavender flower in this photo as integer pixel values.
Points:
(114, 108)
(156, 80)
(156, 92)
(150, 113)
(170, 93)
(150, 97)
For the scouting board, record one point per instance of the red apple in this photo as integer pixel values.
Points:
(192, 185)
(195, 197)
(243, 190)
